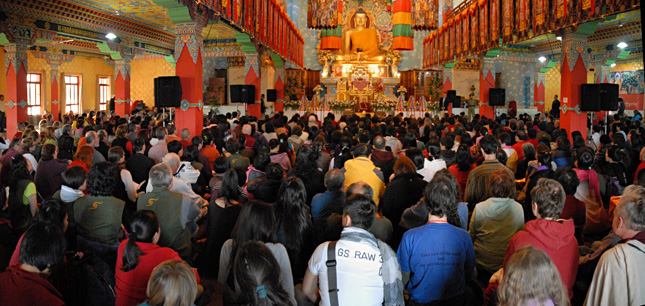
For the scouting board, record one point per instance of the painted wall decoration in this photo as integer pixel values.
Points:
(632, 87)
(143, 74)
(517, 78)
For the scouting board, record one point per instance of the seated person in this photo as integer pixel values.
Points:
(138, 256)
(98, 215)
(620, 274)
(177, 213)
(42, 248)
(548, 233)
(437, 258)
(266, 188)
(172, 283)
(360, 280)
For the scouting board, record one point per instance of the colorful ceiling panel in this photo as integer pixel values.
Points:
(144, 11)
(218, 30)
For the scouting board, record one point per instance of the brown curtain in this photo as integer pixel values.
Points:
(312, 78)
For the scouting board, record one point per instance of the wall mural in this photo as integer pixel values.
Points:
(632, 87)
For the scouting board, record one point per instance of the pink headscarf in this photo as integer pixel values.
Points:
(591, 176)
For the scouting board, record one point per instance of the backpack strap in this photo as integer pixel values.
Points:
(331, 273)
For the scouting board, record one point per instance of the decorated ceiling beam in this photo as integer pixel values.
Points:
(74, 19)
(264, 21)
(439, 47)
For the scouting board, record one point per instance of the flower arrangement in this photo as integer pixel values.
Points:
(340, 104)
(326, 57)
(433, 88)
(378, 86)
(433, 105)
(212, 99)
(294, 104)
(293, 88)
(392, 56)
(384, 105)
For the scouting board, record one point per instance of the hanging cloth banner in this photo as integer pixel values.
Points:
(465, 36)
(451, 40)
(494, 24)
(539, 16)
(483, 24)
(523, 10)
(457, 35)
(403, 37)
(474, 25)
(507, 21)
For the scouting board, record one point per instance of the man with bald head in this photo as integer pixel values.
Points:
(620, 275)
(382, 158)
(92, 140)
(180, 186)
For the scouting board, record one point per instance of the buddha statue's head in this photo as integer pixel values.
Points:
(360, 19)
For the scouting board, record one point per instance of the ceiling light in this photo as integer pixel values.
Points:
(613, 65)
(110, 36)
(621, 45)
(542, 59)
(559, 38)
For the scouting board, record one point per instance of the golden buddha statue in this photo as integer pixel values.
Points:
(361, 42)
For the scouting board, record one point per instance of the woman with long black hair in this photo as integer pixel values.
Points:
(293, 226)
(223, 213)
(22, 195)
(138, 256)
(306, 169)
(256, 223)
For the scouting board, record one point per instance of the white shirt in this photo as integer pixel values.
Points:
(596, 139)
(431, 167)
(32, 160)
(357, 269)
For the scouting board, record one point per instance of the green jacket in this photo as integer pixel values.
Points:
(173, 211)
(99, 218)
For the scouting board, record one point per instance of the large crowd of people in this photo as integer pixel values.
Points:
(99, 209)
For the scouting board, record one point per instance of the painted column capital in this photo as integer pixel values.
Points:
(122, 66)
(487, 64)
(189, 35)
(16, 55)
(573, 47)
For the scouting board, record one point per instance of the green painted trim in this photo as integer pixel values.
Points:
(177, 12)
(103, 47)
(277, 60)
(493, 52)
(116, 55)
(623, 54)
(3, 40)
(544, 69)
(587, 28)
(450, 65)
(169, 59)
(610, 61)
(248, 46)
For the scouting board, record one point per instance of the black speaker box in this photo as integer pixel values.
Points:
(243, 94)
(590, 98)
(451, 97)
(609, 96)
(497, 96)
(272, 95)
(168, 91)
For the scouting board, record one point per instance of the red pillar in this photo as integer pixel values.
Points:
(539, 91)
(188, 58)
(573, 74)
(252, 77)
(55, 97)
(122, 87)
(486, 82)
(279, 87)
(16, 95)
